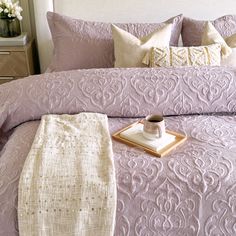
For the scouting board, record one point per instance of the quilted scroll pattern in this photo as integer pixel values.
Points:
(189, 192)
(119, 93)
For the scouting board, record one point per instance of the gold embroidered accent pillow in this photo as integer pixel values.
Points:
(184, 56)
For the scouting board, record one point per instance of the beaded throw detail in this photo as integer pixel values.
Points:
(67, 186)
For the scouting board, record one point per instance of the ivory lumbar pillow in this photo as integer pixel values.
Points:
(231, 59)
(211, 35)
(184, 56)
(129, 50)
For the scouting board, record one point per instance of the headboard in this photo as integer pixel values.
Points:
(121, 11)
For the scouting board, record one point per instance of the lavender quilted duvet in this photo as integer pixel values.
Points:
(191, 191)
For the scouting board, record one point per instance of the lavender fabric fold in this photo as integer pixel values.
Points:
(191, 191)
(117, 92)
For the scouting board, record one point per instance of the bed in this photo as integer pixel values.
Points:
(191, 191)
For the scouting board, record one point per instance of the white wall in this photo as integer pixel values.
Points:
(144, 10)
(28, 18)
(123, 11)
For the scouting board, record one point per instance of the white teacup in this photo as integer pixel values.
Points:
(153, 127)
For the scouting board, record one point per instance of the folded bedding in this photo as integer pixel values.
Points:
(191, 191)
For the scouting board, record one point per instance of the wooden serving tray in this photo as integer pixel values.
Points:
(179, 139)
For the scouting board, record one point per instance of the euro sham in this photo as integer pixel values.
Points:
(129, 50)
(184, 56)
(82, 44)
(192, 29)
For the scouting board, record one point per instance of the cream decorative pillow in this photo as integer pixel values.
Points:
(231, 41)
(211, 35)
(129, 50)
(184, 56)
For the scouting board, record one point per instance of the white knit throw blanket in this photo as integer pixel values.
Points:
(67, 186)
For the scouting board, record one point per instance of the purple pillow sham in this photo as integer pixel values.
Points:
(192, 29)
(82, 44)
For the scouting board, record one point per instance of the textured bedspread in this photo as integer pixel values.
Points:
(191, 191)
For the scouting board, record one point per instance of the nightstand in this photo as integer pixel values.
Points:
(16, 62)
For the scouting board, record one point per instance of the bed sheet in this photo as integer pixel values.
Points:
(191, 191)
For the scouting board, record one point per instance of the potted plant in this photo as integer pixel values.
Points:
(10, 15)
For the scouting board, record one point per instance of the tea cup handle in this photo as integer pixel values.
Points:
(160, 130)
